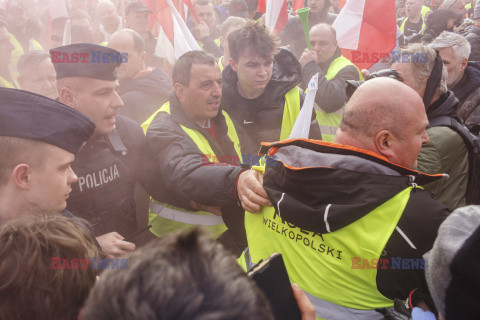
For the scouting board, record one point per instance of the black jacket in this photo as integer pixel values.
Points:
(293, 35)
(472, 33)
(108, 168)
(331, 95)
(183, 173)
(143, 96)
(355, 183)
(467, 92)
(260, 120)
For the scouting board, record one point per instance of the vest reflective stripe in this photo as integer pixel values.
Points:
(18, 51)
(329, 122)
(422, 30)
(6, 84)
(217, 42)
(329, 266)
(184, 216)
(291, 110)
(166, 218)
(220, 64)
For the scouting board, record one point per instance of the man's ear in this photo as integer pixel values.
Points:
(464, 63)
(180, 91)
(143, 56)
(67, 96)
(233, 64)
(22, 176)
(384, 141)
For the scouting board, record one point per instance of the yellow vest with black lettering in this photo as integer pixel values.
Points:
(18, 51)
(422, 30)
(291, 110)
(166, 218)
(7, 84)
(329, 122)
(326, 266)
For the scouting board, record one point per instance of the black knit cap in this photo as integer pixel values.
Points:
(24, 114)
(86, 60)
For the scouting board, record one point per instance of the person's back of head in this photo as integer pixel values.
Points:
(182, 276)
(386, 117)
(35, 280)
(453, 264)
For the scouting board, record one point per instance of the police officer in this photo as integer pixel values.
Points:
(38, 140)
(107, 165)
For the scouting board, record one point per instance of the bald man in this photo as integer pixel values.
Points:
(333, 70)
(109, 18)
(347, 217)
(142, 89)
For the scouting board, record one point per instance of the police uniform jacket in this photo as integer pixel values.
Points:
(107, 167)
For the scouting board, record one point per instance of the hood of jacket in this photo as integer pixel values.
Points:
(469, 82)
(156, 84)
(286, 74)
(445, 106)
(306, 179)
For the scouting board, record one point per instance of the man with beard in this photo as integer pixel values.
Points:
(293, 35)
(463, 76)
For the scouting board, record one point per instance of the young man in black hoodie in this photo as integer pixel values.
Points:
(142, 89)
(463, 76)
(260, 90)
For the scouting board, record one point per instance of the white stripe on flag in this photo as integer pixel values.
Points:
(348, 24)
(272, 12)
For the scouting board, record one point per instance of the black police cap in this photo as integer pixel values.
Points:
(28, 115)
(86, 60)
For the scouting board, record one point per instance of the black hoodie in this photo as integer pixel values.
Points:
(143, 96)
(260, 120)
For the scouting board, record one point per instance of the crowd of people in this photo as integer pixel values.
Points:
(136, 188)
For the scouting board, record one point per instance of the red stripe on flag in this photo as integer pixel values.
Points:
(297, 4)
(164, 17)
(341, 3)
(282, 18)
(378, 34)
(262, 6)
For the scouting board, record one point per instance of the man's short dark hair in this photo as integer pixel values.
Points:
(29, 60)
(181, 276)
(253, 36)
(183, 66)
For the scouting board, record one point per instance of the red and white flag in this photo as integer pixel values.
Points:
(366, 31)
(276, 15)
(174, 38)
(297, 4)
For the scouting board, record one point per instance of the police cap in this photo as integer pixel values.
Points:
(28, 115)
(86, 60)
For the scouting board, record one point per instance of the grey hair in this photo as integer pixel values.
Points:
(460, 45)
(423, 69)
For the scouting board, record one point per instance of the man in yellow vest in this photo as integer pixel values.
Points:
(6, 49)
(260, 89)
(348, 218)
(20, 35)
(207, 30)
(414, 22)
(334, 70)
(197, 152)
